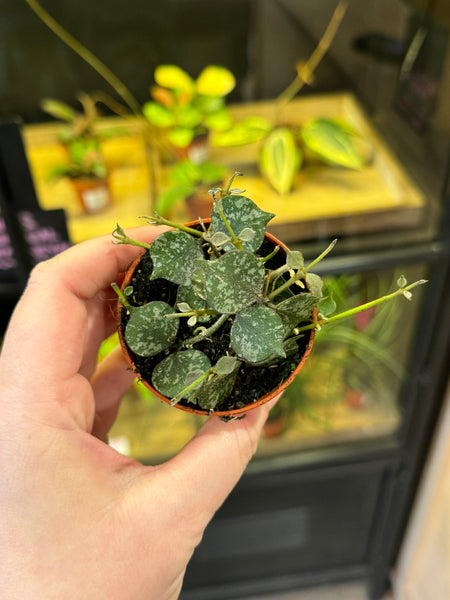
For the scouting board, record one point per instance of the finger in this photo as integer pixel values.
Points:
(52, 314)
(210, 465)
(110, 382)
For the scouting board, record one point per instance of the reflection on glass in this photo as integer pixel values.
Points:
(347, 391)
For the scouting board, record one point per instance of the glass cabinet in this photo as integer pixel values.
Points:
(328, 493)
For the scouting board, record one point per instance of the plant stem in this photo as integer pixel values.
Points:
(305, 72)
(201, 336)
(121, 237)
(123, 299)
(277, 272)
(234, 239)
(271, 255)
(321, 256)
(227, 189)
(190, 387)
(287, 284)
(357, 309)
(86, 55)
(202, 312)
(158, 220)
(299, 274)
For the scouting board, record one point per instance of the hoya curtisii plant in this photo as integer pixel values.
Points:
(223, 285)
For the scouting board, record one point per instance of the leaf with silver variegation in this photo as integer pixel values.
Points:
(174, 254)
(257, 333)
(147, 332)
(241, 213)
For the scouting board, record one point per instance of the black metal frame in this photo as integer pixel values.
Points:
(395, 463)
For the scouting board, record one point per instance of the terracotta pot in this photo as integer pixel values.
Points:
(229, 413)
(93, 194)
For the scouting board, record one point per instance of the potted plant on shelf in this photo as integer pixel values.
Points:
(191, 183)
(218, 316)
(85, 165)
(284, 146)
(186, 110)
(284, 149)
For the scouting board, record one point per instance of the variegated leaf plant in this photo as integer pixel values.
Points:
(222, 278)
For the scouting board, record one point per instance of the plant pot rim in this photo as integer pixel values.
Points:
(235, 413)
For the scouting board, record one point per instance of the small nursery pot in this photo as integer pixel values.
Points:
(241, 410)
(93, 194)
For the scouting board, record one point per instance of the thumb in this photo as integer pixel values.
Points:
(210, 465)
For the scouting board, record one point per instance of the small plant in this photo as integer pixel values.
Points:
(208, 308)
(80, 138)
(284, 147)
(186, 108)
(185, 178)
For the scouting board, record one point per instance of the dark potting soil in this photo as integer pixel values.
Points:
(252, 382)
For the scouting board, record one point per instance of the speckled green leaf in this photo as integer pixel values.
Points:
(327, 306)
(225, 365)
(315, 284)
(234, 281)
(148, 332)
(297, 309)
(257, 333)
(241, 213)
(174, 254)
(215, 390)
(294, 259)
(173, 374)
(198, 282)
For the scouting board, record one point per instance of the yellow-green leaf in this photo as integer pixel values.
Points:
(174, 78)
(280, 159)
(215, 81)
(158, 115)
(332, 141)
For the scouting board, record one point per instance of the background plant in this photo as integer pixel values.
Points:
(80, 137)
(186, 108)
(185, 178)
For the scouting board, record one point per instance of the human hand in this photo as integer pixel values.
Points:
(78, 519)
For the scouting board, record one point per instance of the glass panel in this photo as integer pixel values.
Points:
(348, 390)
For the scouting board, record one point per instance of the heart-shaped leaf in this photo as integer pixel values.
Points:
(234, 281)
(241, 213)
(225, 365)
(147, 332)
(297, 309)
(315, 284)
(174, 254)
(257, 333)
(294, 259)
(327, 306)
(215, 390)
(174, 373)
